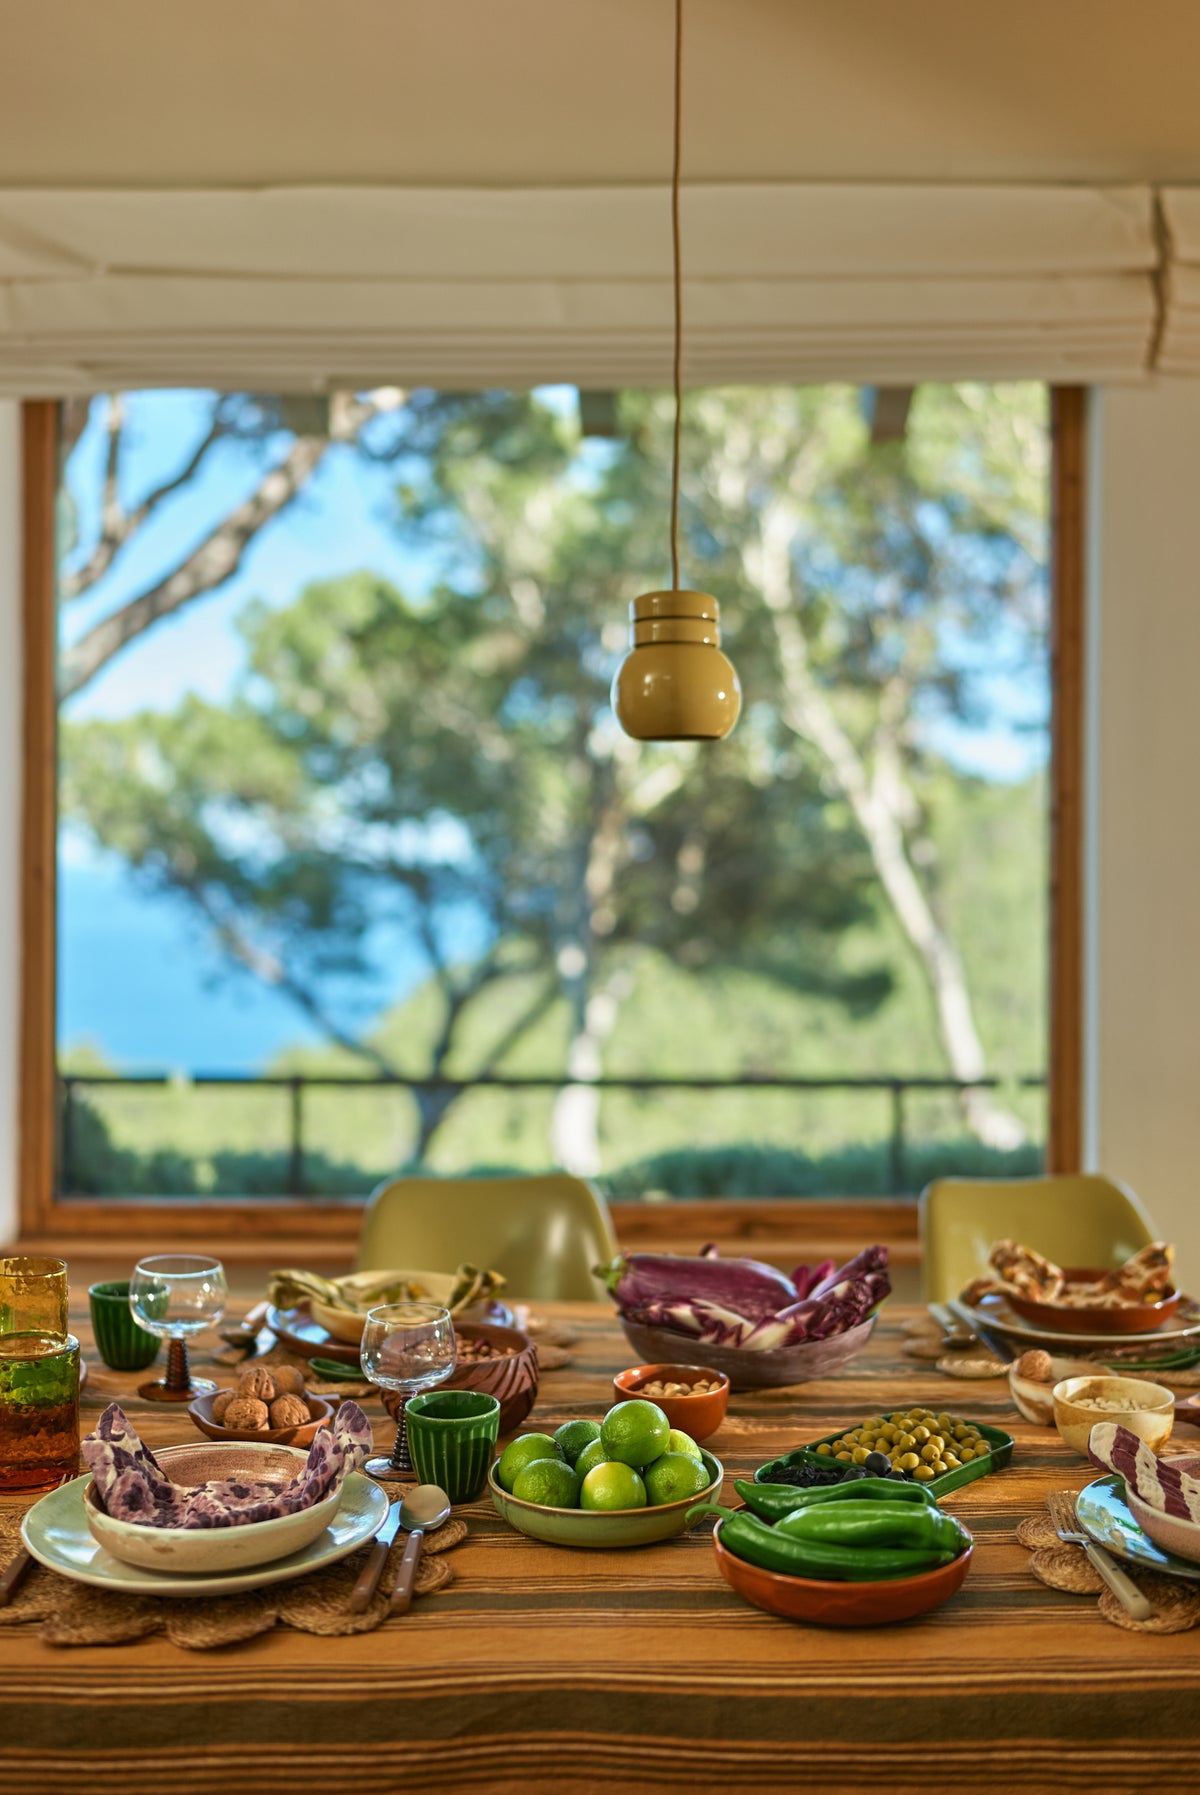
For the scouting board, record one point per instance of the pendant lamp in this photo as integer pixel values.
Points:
(675, 685)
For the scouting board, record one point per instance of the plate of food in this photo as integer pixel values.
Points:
(1137, 1297)
(1103, 1511)
(329, 1312)
(936, 1450)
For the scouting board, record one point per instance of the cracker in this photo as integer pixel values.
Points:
(551, 1358)
(923, 1349)
(1176, 1605)
(1036, 1531)
(1188, 1378)
(984, 1367)
(1066, 1568)
(923, 1325)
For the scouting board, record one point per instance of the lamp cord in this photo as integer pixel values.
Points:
(678, 286)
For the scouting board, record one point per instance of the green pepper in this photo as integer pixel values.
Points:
(772, 1549)
(774, 1500)
(905, 1524)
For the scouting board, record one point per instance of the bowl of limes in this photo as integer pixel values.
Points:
(628, 1480)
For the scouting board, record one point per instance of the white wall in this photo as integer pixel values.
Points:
(1143, 1121)
(10, 802)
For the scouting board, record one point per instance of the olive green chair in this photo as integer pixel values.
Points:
(542, 1234)
(1074, 1218)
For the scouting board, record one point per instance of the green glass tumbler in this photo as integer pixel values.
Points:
(122, 1342)
(452, 1435)
(39, 1410)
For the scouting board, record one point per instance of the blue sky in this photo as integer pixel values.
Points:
(137, 978)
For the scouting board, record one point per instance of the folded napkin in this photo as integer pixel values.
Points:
(132, 1486)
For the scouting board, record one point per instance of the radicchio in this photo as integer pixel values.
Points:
(132, 1486)
(752, 1290)
(834, 1301)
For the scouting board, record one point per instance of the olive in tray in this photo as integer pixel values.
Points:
(938, 1450)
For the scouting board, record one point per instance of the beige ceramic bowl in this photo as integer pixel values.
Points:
(208, 1549)
(1148, 1410)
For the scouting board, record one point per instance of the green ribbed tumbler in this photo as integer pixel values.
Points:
(452, 1435)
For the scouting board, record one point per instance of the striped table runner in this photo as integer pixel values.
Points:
(542, 1666)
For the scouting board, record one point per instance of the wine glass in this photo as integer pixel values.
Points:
(406, 1347)
(176, 1295)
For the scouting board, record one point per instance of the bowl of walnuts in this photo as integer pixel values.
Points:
(268, 1403)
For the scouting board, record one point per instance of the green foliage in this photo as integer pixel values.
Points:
(399, 755)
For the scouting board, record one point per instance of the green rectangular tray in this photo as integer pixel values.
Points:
(1000, 1455)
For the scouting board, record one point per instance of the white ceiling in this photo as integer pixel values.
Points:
(159, 93)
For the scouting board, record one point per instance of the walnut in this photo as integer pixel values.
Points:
(289, 1411)
(221, 1402)
(289, 1380)
(1037, 1366)
(259, 1383)
(247, 1413)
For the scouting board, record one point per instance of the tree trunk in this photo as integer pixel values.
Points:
(879, 810)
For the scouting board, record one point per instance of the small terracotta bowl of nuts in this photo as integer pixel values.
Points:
(692, 1397)
(269, 1403)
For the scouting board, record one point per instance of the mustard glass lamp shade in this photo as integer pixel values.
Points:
(675, 684)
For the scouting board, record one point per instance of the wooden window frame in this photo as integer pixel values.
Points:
(329, 1227)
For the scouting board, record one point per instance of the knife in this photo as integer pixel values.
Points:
(12, 1576)
(368, 1581)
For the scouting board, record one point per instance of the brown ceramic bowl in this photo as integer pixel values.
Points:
(698, 1415)
(512, 1379)
(1130, 1318)
(319, 1412)
(828, 1604)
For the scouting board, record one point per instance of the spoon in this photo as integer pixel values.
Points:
(423, 1509)
(246, 1333)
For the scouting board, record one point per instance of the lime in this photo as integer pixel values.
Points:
(674, 1476)
(549, 1483)
(590, 1457)
(635, 1432)
(612, 1486)
(678, 1441)
(521, 1452)
(573, 1436)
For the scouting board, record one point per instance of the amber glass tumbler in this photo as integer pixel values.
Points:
(33, 1296)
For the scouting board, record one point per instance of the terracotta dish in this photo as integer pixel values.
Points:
(512, 1378)
(828, 1604)
(319, 1412)
(1124, 1318)
(750, 1370)
(698, 1414)
(301, 1333)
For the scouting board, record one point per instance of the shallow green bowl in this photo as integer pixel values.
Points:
(600, 1526)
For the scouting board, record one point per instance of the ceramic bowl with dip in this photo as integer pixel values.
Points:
(1148, 1410)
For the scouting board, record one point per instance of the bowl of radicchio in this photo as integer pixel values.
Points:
(750, 1321)
(215, 1508)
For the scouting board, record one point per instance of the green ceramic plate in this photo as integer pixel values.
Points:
(1102, 1511)
(604, 1527)
(1000, 1455)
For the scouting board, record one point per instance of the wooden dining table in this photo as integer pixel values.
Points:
(542, 1666)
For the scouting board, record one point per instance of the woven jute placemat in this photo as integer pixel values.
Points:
(1176, 1603)
(68, 1613)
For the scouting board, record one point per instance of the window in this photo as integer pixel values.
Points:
(356, 872)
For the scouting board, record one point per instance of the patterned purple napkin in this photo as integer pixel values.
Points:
(132, 1486)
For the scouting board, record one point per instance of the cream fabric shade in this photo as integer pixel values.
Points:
(302, 288)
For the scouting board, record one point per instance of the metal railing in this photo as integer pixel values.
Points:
(297, 1083)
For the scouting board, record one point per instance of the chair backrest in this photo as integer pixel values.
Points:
(1075, 1218)
(543, 1234)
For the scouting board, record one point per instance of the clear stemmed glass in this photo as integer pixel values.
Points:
(406, 1347)
(176, 1295)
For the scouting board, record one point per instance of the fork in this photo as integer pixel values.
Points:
(1061, 1504)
